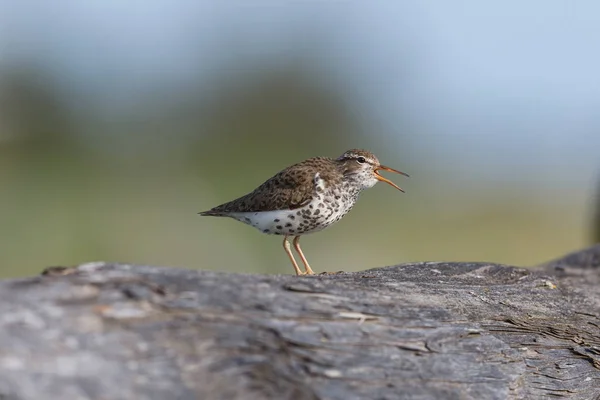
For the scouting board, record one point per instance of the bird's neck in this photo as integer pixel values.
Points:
(351, 189)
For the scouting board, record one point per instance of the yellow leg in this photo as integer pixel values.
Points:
(288, 250)
(309, 271)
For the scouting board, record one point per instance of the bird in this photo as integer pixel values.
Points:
(306, 197)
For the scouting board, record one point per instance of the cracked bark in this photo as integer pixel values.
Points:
(414, 331)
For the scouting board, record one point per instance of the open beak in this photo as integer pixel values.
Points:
(382, 179)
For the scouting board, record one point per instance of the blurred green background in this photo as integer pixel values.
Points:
(119, 121)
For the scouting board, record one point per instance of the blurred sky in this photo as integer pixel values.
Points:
(482, 76)
(475, 97)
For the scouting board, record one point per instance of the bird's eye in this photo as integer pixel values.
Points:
(361, 160)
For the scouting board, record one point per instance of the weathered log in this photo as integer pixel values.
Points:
(430, 330)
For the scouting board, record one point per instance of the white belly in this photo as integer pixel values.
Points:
(328, 206)
(314, 217)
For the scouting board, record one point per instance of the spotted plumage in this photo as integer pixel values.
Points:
(306, 197)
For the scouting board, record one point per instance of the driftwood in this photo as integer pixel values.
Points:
(414, 331)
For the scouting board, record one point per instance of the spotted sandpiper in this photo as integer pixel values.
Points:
(306, 197)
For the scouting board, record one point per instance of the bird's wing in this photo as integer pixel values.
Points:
(291, 188)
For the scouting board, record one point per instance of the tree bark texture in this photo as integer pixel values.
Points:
(428, 330)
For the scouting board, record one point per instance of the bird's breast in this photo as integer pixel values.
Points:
(326, 207)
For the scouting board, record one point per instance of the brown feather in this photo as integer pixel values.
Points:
(291, 188)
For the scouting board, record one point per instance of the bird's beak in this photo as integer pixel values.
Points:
(382, 179)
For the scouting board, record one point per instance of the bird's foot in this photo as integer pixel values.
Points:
(305, 273)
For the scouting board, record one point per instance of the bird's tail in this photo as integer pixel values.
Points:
(211, 213)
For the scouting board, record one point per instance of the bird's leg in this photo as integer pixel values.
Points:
(288, 250)
(309, 271)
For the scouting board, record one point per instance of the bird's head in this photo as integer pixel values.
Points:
(362, 168)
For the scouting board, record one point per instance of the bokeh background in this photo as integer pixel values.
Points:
(120, 120)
